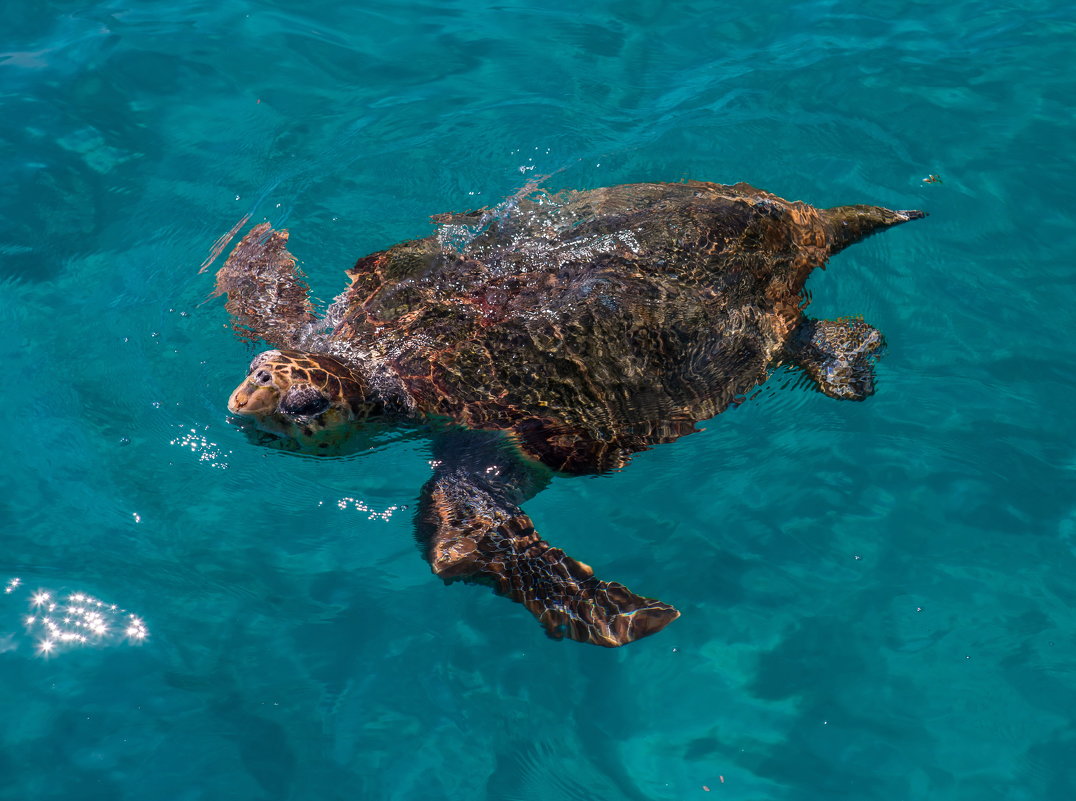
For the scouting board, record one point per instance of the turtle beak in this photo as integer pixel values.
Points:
(253, 400)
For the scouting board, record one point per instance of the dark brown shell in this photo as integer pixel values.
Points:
(591, 324)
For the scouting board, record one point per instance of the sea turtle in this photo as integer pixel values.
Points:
(553, 333)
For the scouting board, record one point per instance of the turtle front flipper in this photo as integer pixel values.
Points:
(473, 530)
(838, 355)
(267, 294)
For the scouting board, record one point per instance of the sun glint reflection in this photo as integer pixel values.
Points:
(361, 506)
(78, 619)
(207, 451)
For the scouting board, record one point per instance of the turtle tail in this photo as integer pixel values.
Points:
(846, 225)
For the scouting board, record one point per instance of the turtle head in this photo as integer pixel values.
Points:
(309, 397)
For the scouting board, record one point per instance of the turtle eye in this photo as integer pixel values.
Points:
(262, 378)
(303, 401)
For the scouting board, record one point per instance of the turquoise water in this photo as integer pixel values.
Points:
(878, 598)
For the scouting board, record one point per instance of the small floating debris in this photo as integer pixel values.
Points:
(932, 179)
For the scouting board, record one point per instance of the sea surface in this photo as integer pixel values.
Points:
(878, 598)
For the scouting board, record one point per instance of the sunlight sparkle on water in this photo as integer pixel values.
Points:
(362, 506)
(207, 451)
(78, 619)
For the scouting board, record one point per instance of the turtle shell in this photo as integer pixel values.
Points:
(590, 324)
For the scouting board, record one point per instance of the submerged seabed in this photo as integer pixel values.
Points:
(877, 598)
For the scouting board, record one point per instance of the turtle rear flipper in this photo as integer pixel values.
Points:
(838, 355)
(472, 532)
(267, 294)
